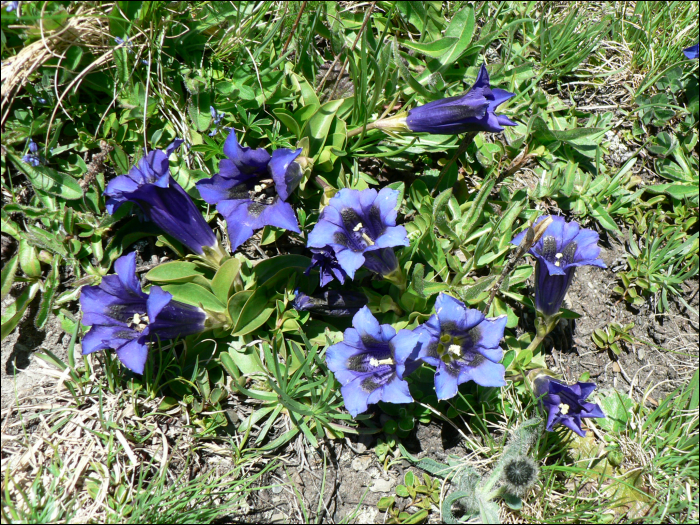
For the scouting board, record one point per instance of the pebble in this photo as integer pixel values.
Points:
(361, 463)
(382, 485)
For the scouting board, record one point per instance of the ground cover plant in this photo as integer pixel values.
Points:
(404, 262)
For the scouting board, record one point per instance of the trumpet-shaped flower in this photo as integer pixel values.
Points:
(463, 345)
(566, 404)
(251, 189)
(125, 318)
(358, 222)
(562, 248)
(163, 201)
(692, 51)
(328, 267)
(332, 303)
(371, 362)
(474, 111)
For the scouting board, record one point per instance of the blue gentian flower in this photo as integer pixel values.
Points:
(11, 6)
(562, 248)
(371, 362)
(32, 157)
(332, 303)
(251, 189)
(216, 119)
(121, 42)
(566, 404)
(163, 201)
(357, 222)
(463, 345)
(125, 318)
(382, 262)
(328, 266)
(474, 111)
(692, 51)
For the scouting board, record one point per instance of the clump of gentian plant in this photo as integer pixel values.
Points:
(472, 112)
(163, 201)
(565, 404)
(563, 247)
(125, 318)
(355, 225)
(252, 188)
(371, 362)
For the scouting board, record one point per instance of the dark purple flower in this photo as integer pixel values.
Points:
(333, 303)
(357, 222)
(251, 188)
(32, 157)
(565, 404)
(163, 201)
(463, 345)
(126, 319)
(371, 362)
(328, 267)
(382, 262)
(474, 111)
(562, 247)
(692, 51)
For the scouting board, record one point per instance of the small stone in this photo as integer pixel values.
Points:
(616, 367)
(361, 463)
(382, 485)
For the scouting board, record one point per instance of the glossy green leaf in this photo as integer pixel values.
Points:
(49, 180)
(7, 276)
(14, 312)
(196, 295)
(222, 284)
(175, 272)
(318, 125)
(236, 304)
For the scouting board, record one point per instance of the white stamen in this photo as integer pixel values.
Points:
(358, 227)
(367, 239)
(137, 319)
(376, 362)
(455, 349)
(258, 188)
(564, 408)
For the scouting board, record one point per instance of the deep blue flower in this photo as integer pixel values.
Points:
(566, 404)
(474, 111)
(692, 51)
(163, 201)
(563, 247)
(357, 222)
(333, 303)
(32, 157)
(216, 119)
(382, 262)
(328, 267)
(371, 362)
(125, 318)
(251, 189)
(463, 345)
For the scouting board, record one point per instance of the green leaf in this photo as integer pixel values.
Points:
(256, 311)
(602, 216)
(7, 276)
(433, 49)
(196, 295)
(461, 28)
(286, 118)
(175, 272)
(676, 191)
(318, 125)
(28, 260)
(47, 297)
(223, 281)
(48, 180)
(617, 409)
(236, 304)
(14, 312)
(268, 268)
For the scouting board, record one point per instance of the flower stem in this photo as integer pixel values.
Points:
(545, 324)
